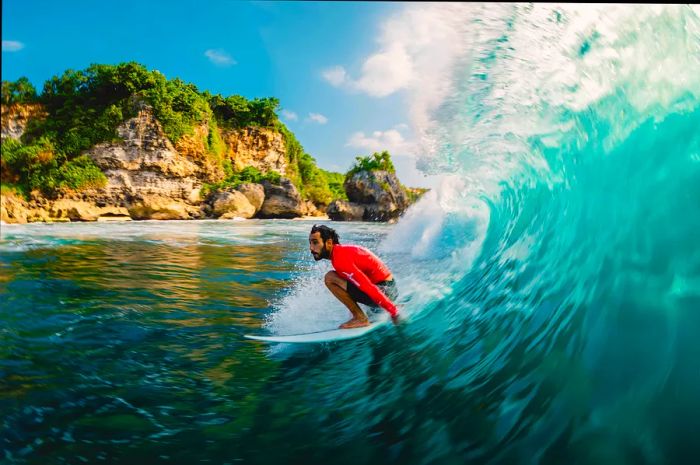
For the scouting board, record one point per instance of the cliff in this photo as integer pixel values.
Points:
(149, 177)
(122, 141)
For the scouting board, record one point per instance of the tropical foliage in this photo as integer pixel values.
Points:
(38, 166)
(85, 107)
(235, 179)
(376, 161)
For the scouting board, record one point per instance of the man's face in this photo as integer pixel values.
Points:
(318, 249)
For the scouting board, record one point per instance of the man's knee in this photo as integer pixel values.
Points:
(331, 278)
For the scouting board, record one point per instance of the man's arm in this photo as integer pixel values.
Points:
(363, 283)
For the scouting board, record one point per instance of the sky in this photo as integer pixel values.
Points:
(341, 70)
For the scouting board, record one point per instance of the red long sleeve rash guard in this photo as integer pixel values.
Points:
(364, 269)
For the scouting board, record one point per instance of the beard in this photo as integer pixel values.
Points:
(323, 254)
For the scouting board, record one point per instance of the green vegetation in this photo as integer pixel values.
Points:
(335, 184)
(7, 188)
(237, 112)
(85, 108)
(382, 161)
(20, 91)
(415, 193)
(38, 166)
(235, 179)
(376, 161)
(314, 183)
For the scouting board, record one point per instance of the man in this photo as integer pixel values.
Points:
(359, 276)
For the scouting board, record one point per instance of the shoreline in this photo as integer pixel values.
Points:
(131, 220)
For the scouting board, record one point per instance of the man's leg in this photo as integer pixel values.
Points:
(339, 287)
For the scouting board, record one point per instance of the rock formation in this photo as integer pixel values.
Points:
(149, 177)
(230, 203)
(373, 196)
(281, 201)
(340, 210)
(255, 193)
(145, 163)
(260, 148)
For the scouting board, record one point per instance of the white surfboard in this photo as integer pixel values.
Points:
(321, 336)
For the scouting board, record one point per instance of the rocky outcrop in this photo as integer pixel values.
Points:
(80, 210)
(281, 201)
(231, 204)
(159, 207)
(145, 163)
(255, 193)
(310, 209)
(245, 146)
(14, 118)
(13, 209)
(340, 210)
(379, 193)
(16, 210)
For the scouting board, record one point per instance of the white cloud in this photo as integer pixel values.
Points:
(219, 57)
(318, 118)
(12, 46)
(391, 140)
(289, 115)
(386, 72)
(417, 49)
(336, 75)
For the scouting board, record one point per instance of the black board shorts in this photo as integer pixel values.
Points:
(387, 287)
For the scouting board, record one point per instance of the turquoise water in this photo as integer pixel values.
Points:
(550, 286)
(123, 342)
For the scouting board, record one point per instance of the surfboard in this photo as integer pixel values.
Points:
(321, 336)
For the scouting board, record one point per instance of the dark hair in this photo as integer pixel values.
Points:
(326, 233)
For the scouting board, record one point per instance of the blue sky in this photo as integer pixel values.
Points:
(304, 53)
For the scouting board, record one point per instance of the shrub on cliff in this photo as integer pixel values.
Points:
(33, 165)
(335, 184)
(236, 111)
(376, 161)
(80, 173)
(38, 166)
(235, 179)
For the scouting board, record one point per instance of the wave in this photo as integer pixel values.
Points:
(552, 281)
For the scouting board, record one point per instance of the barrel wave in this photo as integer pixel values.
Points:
(552, 283)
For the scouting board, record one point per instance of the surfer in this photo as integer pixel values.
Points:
(359, 276)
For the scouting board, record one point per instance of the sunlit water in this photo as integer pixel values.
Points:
(550, 287)
(123, 342)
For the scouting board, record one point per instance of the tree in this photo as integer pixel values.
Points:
(20, 91)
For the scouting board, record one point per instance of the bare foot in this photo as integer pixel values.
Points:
(355, 323)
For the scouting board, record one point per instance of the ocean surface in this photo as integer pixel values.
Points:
(550, 286)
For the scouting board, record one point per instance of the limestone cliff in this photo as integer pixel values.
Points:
(261, 148)
(15, 117)
(149, 177)
(146, 163)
